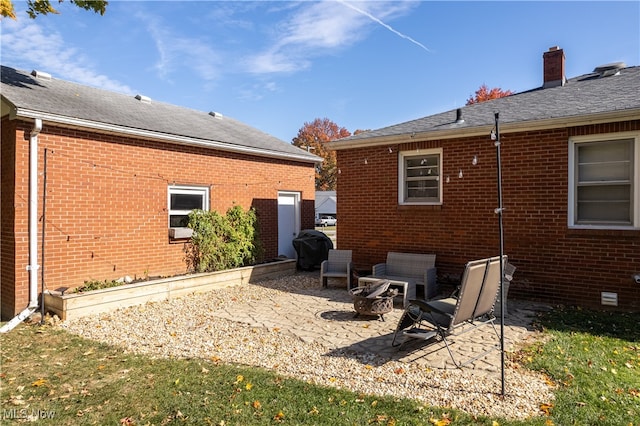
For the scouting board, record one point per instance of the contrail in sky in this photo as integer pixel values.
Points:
(373, 18)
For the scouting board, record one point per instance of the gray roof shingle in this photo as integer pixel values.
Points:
(65, 100)
(586, 96)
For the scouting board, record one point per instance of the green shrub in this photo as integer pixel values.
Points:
(223, 242)
(96, 285)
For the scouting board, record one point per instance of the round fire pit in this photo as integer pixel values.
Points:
(374, 299)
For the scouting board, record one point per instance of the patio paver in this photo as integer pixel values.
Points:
(326, 316)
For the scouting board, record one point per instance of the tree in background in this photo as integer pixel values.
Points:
(486, 94)
(43, 7)
(312, 137)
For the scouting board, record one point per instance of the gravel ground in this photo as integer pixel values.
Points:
(186, 328)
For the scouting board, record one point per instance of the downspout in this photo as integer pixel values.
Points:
(33, 230)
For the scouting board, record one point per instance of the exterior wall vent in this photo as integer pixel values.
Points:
(41, 75)
(215, 114)
(609, 299)
(143, 99)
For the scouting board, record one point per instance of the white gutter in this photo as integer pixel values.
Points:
(472, 131)
(33, 230)
(149, 134)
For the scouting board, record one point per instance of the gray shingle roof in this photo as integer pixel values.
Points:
(588, 96)
(65, 101)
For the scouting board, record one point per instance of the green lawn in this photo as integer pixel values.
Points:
(67, 380)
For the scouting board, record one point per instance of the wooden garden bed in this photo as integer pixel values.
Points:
(75, 305)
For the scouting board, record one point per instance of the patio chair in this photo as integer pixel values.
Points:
(471, 306)
(337, 265)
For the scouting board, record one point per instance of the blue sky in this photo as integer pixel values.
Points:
(276, 65)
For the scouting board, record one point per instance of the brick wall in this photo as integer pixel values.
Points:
(106, 204)
(555, 264)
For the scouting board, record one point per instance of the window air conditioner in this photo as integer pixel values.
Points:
(177, 233)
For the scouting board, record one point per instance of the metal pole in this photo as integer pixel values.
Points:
(499, 212)
(44, 225)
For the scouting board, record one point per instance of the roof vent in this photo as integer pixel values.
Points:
(459, 119)
(610, 69)
(215, 114)
(143, 99)
(40, 74)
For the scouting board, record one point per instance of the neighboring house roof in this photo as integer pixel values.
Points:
(34, 95)
(587, 99)
(326, 202)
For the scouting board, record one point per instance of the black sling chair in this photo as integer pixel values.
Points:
(471, 306)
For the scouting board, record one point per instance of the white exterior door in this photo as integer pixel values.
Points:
(288, 222)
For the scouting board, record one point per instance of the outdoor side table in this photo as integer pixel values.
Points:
(402, 286)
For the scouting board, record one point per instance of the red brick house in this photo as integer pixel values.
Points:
(122, 172)
(570, 154)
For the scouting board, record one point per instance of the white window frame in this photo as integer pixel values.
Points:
(182, 232)
(634, 189)
(403, 197)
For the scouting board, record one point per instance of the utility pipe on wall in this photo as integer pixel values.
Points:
(33, 230)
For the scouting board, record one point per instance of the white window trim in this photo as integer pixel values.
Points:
(603, 137)
(180, 232)
(401, 173)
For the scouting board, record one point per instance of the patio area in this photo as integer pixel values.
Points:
(327, 316)
(297, 328)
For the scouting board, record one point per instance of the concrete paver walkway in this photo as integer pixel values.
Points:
(327, 316)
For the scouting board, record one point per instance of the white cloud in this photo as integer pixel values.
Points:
(26, 45)
(385, 25)
(255, 92)
(177, 52)
(318, 28)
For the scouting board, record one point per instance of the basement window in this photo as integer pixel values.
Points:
(603, 178)
(183, 200)
(419, 177)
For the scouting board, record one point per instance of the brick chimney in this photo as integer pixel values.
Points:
(553, 67)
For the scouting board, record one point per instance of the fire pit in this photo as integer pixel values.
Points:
(373, 299)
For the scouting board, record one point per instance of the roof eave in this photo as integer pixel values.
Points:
(515, 127)
(77, 123)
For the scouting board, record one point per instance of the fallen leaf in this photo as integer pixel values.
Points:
(444, 421)
(399, 370)
(546, 408)
(248, 386)
(256, 405)
(279, 417)
(239, 378)
(39, 382)
(17, 400)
